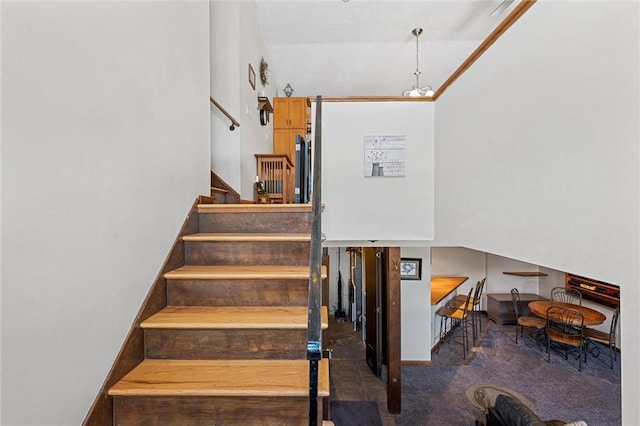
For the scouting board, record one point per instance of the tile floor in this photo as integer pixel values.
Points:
(351, 378)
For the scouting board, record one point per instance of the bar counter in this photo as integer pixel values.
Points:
(441, 287)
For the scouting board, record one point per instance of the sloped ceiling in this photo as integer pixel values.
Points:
(366, 48)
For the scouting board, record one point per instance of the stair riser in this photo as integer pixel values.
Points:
(225, 344)
(247, 253)
(237, 292)
(251, 222)
(219, 197)
(227, 411)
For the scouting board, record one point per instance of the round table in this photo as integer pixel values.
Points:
(591, 316)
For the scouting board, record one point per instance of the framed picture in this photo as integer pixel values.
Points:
(410, 269)
(384, 155)
(252, 77)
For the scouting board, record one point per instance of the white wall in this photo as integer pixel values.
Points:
(553, 279)
(105, 145)
(546, 169)
(236, 42)
(339, 261)
(1, 220)
(459, 261)
(387, 209)
(225, 79)
(537, 151)
(499, 282)
(415, 310)
(392, 210)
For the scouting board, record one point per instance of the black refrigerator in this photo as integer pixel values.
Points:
(301, 191)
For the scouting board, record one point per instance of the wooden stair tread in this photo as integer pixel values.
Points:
(233, 272)
(154, 377)
(232, 317)
(240, 237)
(254, 208)
(222, 190)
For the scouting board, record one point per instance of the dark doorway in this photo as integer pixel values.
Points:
(374, 278)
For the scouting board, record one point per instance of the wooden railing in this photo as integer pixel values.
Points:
(234, 122)
(314, 324)
(277, 174)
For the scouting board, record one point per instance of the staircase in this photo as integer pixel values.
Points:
(221, 192)
(229, 347)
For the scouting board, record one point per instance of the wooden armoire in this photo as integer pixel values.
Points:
(290, 118)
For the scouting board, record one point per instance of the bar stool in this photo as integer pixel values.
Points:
(457, 316)
(476, 314)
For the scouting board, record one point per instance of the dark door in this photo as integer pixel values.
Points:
(355, 287)
(375, 333)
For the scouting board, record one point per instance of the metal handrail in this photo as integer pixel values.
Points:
(314, 323)
(234, 122)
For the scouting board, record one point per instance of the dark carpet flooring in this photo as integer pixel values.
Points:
(435, 395)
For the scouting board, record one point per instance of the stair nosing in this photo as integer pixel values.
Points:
(232, 317)
(217, 189)
(253, 208)
(155, 377)
(248, 237)
(234, 272)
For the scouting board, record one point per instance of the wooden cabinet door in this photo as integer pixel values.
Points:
(280, 113)
(289, 120)
(284, 142)
(298, 112)
(290, 113)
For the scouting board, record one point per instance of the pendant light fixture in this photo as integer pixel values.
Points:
(417, 90)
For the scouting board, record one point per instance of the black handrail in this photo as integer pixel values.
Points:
(234, 122)
(314, 324)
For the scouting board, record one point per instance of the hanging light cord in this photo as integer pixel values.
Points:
(416, 32)
(417, 90)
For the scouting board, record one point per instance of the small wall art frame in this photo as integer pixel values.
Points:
(252, 77)
(410, 269)
(384, 156)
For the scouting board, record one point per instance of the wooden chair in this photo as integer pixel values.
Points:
(524, 320)
(458, 317)
(603, 338)
(566, 295)
(565, 326)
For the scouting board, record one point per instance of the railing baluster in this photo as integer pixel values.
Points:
(314, 324)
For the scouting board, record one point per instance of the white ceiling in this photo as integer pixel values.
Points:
(366, 48)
